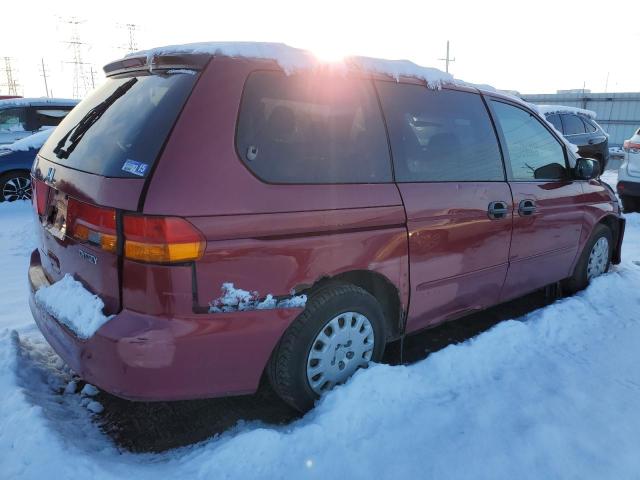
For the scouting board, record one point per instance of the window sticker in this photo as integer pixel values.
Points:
(136, 168)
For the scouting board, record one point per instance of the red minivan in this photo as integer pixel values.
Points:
(237, 220)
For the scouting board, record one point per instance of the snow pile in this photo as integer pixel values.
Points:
(34, 141)
(25, 102)
(549, 109)
(403, 68)
(73, 306)
(293, 60)
(290, 59)
(554, 394)
(236, 299)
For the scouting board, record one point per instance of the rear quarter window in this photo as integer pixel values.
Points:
(572, 124)
(306, 128)
(554, 120)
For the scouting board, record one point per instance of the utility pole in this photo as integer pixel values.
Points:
(44, 75)
(93, 83)
(447, 59)
(12, 84)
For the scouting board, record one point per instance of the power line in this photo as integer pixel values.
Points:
(447, 59)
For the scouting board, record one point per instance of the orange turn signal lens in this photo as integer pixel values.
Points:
(161, 239)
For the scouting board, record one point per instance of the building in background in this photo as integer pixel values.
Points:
(617, 113)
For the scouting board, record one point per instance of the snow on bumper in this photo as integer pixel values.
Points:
(73, 305)
(147, 357)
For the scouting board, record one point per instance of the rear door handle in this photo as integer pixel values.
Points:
(497, 210)
(527, 207)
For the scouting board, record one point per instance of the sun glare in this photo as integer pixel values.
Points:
(327, 52)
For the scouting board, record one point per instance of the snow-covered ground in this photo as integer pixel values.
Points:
(555, 394)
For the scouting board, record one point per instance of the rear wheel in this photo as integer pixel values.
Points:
(341, 330)
(15, 186)
(630, 204)
(594, 260)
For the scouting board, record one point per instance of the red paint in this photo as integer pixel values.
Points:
(434, 242)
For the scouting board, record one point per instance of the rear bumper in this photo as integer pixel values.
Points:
(146, 357)
(628, 189)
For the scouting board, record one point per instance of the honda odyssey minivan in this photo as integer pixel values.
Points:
(236, 220)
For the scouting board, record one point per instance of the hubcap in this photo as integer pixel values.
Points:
(16, 188)
(598, 258)
(343, 345)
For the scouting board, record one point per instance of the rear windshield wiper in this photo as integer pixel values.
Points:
(76, 133)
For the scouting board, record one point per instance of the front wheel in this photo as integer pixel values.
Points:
(341, 330)
(594, 261)
(15, 186)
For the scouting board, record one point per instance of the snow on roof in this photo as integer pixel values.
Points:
(292, 59)
(548, 109)
(25, 102)
(34, 141)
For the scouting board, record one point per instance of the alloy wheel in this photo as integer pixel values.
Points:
(16, 188)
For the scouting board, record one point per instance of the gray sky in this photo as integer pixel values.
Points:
(533, 47)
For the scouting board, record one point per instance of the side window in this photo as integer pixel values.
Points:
(13, 120)
(588, 125)
(440, 135)
(534, 153)
(572, 124)
(554, 120)
(47, 117)
(312, 129)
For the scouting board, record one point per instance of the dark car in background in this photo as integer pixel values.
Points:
(580, 128)
(21, 117)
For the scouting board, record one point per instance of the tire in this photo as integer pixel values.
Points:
(293, 365)
(15, 185)
(583, 273)
(629, 204)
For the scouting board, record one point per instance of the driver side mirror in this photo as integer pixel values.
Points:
(586, 169)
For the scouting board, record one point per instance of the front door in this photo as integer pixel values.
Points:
(547, 218)
(450, 174)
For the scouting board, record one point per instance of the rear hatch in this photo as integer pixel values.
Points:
(91, 174)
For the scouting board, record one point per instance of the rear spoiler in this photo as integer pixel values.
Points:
(157, 62)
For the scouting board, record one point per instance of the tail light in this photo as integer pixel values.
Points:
(630, 146)
(90, 224)
(161, 239)
(39, 195)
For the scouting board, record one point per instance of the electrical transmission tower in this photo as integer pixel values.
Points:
(133, 44)
(80, 79)
(11, 82)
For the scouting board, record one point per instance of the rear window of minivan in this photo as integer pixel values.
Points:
(305, 128)
(119, 129)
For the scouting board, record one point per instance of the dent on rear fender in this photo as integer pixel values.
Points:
(151, 349)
